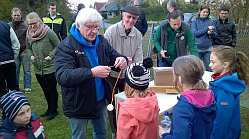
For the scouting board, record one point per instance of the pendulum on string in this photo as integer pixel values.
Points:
(110, 107)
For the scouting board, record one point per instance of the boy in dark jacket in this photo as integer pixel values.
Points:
(18, 121)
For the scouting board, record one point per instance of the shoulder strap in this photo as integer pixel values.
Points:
(164, 35)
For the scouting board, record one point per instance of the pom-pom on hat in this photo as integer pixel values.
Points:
(138, 76)
(12, 102)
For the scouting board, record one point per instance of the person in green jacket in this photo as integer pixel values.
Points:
(173, 38)
(42, 41)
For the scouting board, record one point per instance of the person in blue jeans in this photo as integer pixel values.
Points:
(23, 59)
(83, 60)
(202, 27)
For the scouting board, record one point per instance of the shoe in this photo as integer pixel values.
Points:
(27, 90)
(50, 116)
(44, 114)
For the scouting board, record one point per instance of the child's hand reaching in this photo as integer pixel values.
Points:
(163, 131)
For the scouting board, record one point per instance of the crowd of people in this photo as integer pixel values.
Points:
(90, 68)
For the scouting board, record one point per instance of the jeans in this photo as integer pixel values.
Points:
(24, 60)
(79, 126)
(205, 57)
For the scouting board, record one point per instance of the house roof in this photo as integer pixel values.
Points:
(99, 5)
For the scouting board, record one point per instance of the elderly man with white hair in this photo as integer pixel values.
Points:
(83, 60)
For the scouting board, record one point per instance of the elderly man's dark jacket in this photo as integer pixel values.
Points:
(73, 73)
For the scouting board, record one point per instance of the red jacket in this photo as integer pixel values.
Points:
(138, 118)
(34, 130)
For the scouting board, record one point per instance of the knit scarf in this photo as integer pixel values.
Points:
(38, 34)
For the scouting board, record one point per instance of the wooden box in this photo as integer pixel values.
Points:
(163, 76)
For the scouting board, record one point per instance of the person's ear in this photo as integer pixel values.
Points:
(226, 65)
(180, 80)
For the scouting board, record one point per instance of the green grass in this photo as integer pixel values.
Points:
(57, 128)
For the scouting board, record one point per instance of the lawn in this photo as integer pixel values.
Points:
(57, 128)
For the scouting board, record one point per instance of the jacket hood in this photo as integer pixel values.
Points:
(143, 109)
(230, 83)
(199, 98)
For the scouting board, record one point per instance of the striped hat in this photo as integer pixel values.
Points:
(137, 76)
(12, 102)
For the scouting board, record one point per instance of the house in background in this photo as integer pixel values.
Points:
(110, 9)
(99, 5)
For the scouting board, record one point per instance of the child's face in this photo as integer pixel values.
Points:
(23, 116)
(215, 64)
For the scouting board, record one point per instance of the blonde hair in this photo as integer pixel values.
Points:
(15, 9)
(237, 60)
(33, 16)
(191, 69)
(132, 92)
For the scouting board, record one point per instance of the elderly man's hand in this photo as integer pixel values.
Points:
(101, 71)
(120, 62)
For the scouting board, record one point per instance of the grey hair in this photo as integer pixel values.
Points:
(88, 15)
(32, 16)
(15, 9)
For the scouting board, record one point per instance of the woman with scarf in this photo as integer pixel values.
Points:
(42, 42)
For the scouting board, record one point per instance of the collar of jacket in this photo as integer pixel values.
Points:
(57, 15)
(122, 30)
(223, 21)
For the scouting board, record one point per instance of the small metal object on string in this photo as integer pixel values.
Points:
(110, 106)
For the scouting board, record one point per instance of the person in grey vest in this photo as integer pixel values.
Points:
(23, 59)
(9, 50)
(173, 38)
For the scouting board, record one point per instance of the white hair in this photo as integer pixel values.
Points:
(88, 15)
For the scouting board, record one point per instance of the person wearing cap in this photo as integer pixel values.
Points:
(82, 62)
(18, 120)
(127, 40)
(138, 115)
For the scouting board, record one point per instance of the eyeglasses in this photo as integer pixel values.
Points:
(92, 27)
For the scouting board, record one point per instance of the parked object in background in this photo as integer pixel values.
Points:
(189, 18)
